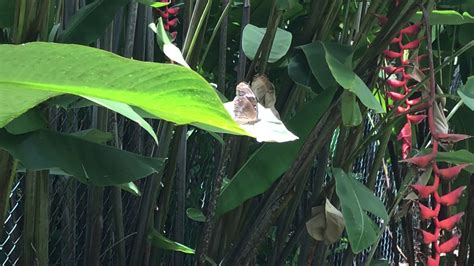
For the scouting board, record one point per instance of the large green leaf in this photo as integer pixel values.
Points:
(315, 55)
(355, 200)
(467, 93)
(458, 157)
(7, 13)
(34, 72)
(90, 22)
(263, 167)
(90, 162)
(331, 63)
(252, 37)
(446, 17)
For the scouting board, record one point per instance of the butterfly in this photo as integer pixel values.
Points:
(245, 104)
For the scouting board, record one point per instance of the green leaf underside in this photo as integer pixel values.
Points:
(160, 241)
(355, 200)
(458, 157)
(446, 17)
(263, 167)
(38, 71)
(253, 36)
(90, 22)
(90, 162)
(467, 93)
(126, 111)
(300, 72)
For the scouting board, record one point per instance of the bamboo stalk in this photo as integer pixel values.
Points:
(7, 175)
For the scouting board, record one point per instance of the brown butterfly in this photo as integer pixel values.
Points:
(245, 104)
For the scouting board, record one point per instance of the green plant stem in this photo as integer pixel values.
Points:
(117, 208)
(8, 167)
(148, 200)
(318, 137)
(401, 194)
(214, 32)
(180, 184)
(189, 46)
(269, 37)
(203, 246)
(242, 58)
(379, 156)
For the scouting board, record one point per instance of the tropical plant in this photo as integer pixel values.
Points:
(373, 90)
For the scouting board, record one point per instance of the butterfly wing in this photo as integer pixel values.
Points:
(244, 110)
(245, 104)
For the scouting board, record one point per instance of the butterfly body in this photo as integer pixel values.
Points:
(245, 104)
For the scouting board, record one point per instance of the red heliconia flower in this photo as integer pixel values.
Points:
(395, 83)
(396, 39)
(391, 54)
(411, 45)
(452, 197)
(428, 237)
(401, 109)
(420, 161)
(173, 11)
(395, 95)
(450, 222)
(411, 30)
(414, 101)
(405, 132)
(428, 213)
(405, 150)
(451, 138)
(392, 69)
(433, 262)
(416, 119)
(173, 22)
(449, 245)
(174, 34)
(451, 172)
(424, 191)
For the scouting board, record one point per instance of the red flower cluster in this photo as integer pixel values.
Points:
(399, 88)
(169, 16)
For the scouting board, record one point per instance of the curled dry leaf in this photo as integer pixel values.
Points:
(265, 92)
(327, 223)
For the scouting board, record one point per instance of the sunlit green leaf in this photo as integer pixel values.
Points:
(252, 37)
(35, 72)
(446, 17)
